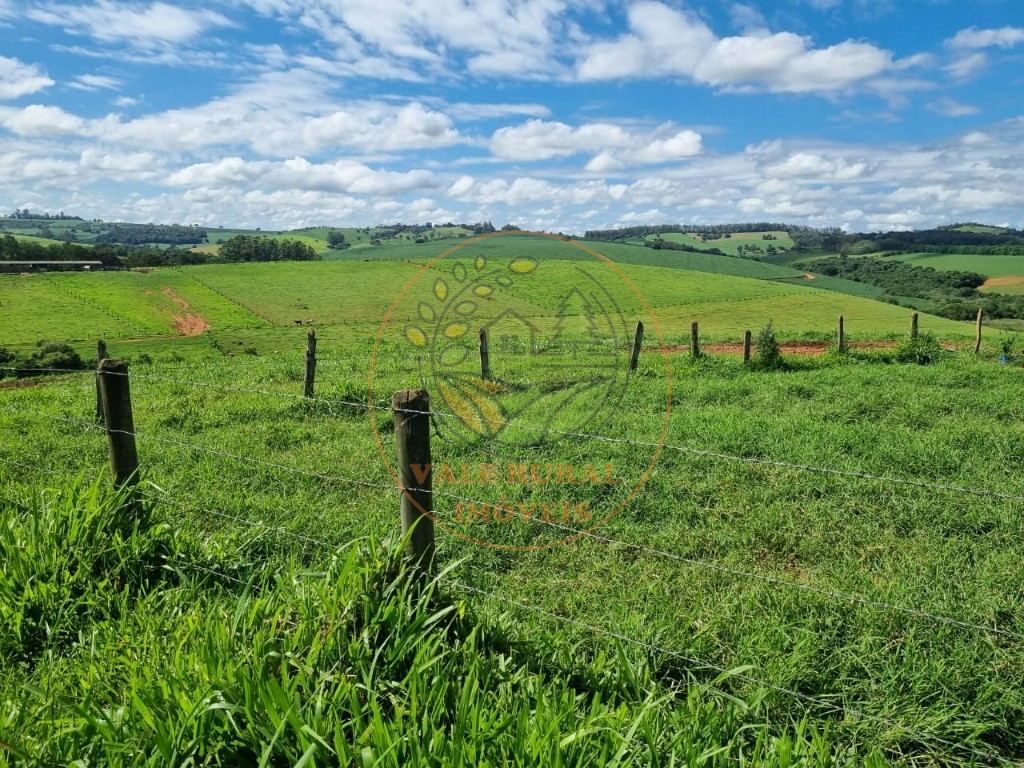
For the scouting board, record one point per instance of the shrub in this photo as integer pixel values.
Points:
(923, 350)
(768, 356)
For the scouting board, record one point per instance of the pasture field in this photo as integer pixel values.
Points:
(41, 240)
(267, 307)
(742, 602)
(990, 266)
(729, 245)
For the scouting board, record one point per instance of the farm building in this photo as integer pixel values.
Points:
(45, 266)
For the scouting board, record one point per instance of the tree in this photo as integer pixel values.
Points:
(335, 239)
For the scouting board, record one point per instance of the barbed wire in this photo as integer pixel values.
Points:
(570, 530)
(621, 637)
(590, 534)
(164, 499)
(545, 429)
(704, 665)
(213, 451)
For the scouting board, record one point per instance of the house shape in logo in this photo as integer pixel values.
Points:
(513, 332)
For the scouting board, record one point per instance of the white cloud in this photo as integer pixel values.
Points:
(616, 147)
(966, 67)
(952, 108)
(41, 120)
(664, 41)
(95, 83)
(20, 79)
(299, 174)
(133, 23)
(972, 38)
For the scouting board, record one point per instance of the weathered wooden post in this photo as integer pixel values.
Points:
(485, 356)
(101, 355)
(842, 335)
(977, 343)
(307, 389)
(913, 326)
(411, 409)
(694, 339)
(115, 392)
(746, 346)
(638, 340)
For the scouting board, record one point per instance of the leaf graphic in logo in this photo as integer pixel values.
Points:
(415, 336)
(523, 266)
(474, 408)
(441, 289)
(456, 330)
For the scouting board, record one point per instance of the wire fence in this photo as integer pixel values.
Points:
(155, 495)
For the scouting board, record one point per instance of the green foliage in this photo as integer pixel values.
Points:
(768, 356)
(247, 248)
(38, 362)
(923, 350)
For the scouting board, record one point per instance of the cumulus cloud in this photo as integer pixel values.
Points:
(665, 41)
(616, 146)
(300, 174)
(41, 120)
(20, 79)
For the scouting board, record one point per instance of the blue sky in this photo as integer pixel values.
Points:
(563, 115)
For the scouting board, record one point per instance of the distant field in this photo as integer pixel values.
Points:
(729, 245)
(267, 307)
(41, 240)
(991, 266)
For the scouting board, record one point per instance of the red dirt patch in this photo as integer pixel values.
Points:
(1003, 282)
(188, 323)
(29, 383)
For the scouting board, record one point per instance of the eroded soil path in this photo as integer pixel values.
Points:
(187, 323)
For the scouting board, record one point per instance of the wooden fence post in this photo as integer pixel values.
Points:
(101, 355)
(977, 343)
(307, 389)
(411, 408)
(485, 356)
(694, 339)
(913, 326)
(115, 392)
(746, 346)
(842, 335)
(638, 340)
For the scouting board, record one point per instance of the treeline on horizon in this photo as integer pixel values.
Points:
(946, 239)
(241, 248)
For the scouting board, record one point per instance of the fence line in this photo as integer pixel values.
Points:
(700, 664)
(574, 532)
(982, 492)
(87, 425)
(164, 499)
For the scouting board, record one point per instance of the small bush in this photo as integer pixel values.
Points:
(768, 356)
(923, 350)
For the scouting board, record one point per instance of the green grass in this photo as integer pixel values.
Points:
(259, 307)
(345, 663)
(990, 266)
(729, 245)
(42, 240)
(207, 656)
